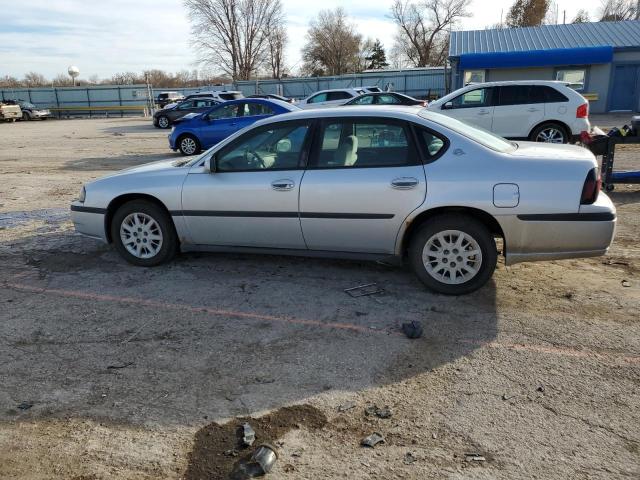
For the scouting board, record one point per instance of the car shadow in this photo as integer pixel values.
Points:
(211, 335)
(117, 163)
(624, 197)
(135, 126)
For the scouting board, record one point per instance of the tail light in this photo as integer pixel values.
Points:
(582, 111)
(591, 187)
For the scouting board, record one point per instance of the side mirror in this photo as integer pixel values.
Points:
(210, 164)
(447, 106)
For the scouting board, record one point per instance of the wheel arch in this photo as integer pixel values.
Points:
(484, 217)
(567, 129)
(120, 200)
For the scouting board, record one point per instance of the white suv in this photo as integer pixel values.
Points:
(536, 110)
(331, 98)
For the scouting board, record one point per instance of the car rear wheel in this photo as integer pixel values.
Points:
(143, 234)
(549, 133)
(26, 116)
(189, 145)
(453, 254)
(164, 122)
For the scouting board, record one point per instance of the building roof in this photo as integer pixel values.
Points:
(614, 34)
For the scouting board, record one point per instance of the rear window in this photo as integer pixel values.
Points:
(483, 137)
(231, 96)
(527, 94)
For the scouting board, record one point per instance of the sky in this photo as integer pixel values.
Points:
(109, 36)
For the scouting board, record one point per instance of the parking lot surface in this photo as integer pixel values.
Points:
(113, 371)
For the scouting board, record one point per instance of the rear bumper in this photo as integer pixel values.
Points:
(588, 233)
(89, 221)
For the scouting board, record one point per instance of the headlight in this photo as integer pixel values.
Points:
(83, 195)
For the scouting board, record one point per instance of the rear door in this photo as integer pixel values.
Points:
(519, 108)
(474, 107)
(364, 177)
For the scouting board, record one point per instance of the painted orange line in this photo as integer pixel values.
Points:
(190, 308)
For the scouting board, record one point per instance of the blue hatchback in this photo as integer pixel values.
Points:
(196, 132)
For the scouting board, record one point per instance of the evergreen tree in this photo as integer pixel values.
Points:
(378, 58)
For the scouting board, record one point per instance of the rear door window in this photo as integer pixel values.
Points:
(255, 109)
(359, 143)
(332, 96)
(364, 100)
(388, 100)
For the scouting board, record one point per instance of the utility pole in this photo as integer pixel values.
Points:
(638, 10)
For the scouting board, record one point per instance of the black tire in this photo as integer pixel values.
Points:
(26, 116)
(163, 122)
(549, 126)
(183, 145)
(471, 228)
(169, 245)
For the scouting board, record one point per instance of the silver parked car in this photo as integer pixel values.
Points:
(362, 182)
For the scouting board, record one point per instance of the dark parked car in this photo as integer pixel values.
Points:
(31, 112)
(165, 98)
(167, 116)
(219, 95)
(386, 98)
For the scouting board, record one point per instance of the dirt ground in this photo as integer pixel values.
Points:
(112, 371)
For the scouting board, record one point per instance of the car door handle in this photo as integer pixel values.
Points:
(283, 185)
(532, 109)
(484, 112)
(404, 183)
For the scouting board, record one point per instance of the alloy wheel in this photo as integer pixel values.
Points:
(188, 145)
(550, 135)
(163, 122)
(452, 257)
(141, 235)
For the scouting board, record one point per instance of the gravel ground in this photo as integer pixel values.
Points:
(111, 371)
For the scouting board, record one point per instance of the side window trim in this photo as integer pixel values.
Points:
(322, 123)
(425, 156)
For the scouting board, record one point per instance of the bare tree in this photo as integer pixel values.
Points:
(9, 82)
(62, 80)
(422, 28)
(232, 35)
(527, 13)
(276, 43)
(617, 10)
(333, 45)
(582, 16)
(34, 79)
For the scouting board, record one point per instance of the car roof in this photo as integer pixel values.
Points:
(395, 111)
(520, 82)
(267, 101)
(346, 89)
(216, 91)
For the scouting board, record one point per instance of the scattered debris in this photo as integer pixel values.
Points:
(612, 262)
(412, 329)
(626, 283)
(409, 458)
(372, 440)
(474, 457)
(288, 468)
(346, 406)
(263, 459)
(231, 453)
(540, 388)
(247, 435)
(116, 367)
(25, 406)
(364, 290)
(384, 412)
(118, 134)
(434, 435)
(568, 295)
(506, 397)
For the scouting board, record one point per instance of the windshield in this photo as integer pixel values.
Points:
(27, 105)
(483, 137)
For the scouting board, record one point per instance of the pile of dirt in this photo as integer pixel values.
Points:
(215, 446)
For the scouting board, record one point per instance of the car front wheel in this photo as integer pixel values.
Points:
(26, 116)
(453, 254)
(163, 121)
(143, 234)
(189, 145)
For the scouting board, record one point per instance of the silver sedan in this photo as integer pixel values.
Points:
(392, 183)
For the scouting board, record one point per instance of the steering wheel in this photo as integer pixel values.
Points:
(256, 158)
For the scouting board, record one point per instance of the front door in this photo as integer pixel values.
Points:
(251, 199)
(218, 124)
(624, 92)
(364, 178)
(474, 107)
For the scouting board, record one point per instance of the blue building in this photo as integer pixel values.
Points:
(601, 60)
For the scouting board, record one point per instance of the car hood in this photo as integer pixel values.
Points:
(153, 167)
(551, 150)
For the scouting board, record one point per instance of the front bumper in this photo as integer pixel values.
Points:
(588, 233)
(89, 221)
(41, 114)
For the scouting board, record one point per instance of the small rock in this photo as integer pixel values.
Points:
(346, 406)
(288, 468)
(540, 388)
(372, 440)
(25, 406)
(434, 435)
(231, 453)
(409, 458)
(474, 457)
(384, 412)
(626, 283)
(412, 329)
